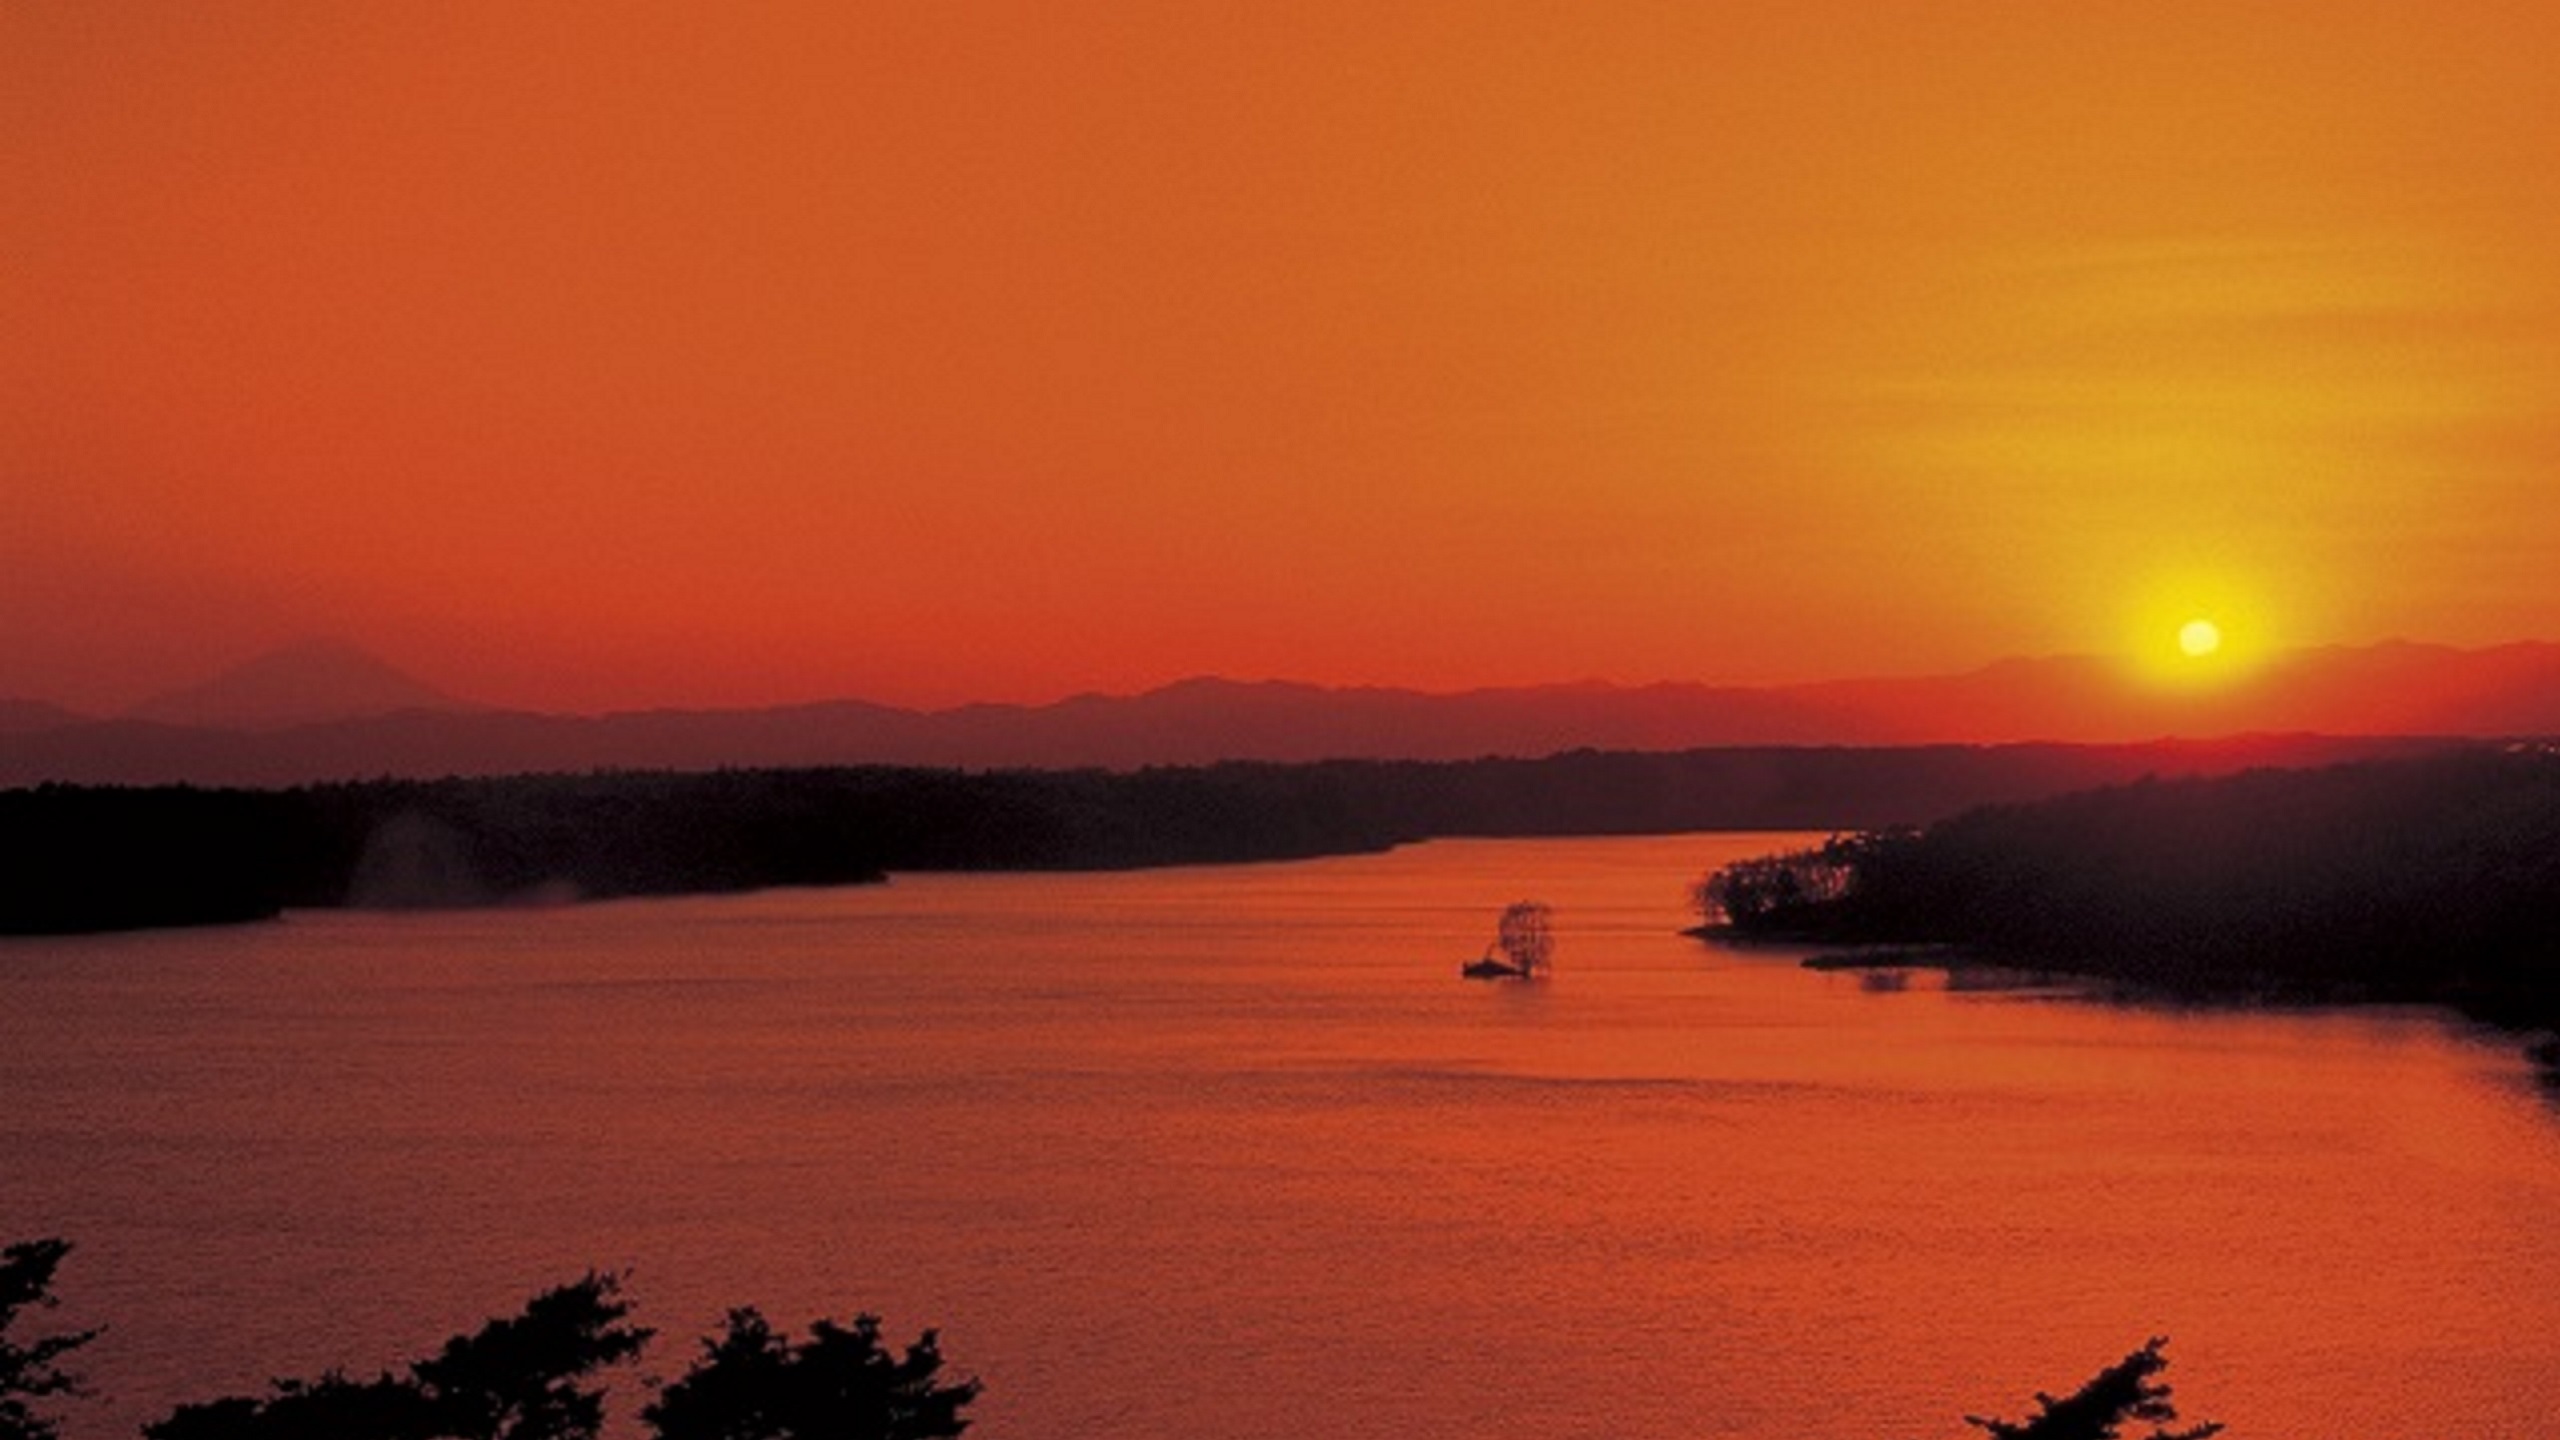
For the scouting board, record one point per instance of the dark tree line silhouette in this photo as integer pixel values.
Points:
(2432, 879)
(532, 1376)
(90, 858)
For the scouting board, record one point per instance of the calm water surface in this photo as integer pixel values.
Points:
(1233, 1153)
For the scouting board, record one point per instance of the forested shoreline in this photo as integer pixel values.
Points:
(2432, 879)
(76, 858)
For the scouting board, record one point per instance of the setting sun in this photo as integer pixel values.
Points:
(2199, 627)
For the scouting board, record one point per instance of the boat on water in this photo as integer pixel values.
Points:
(1523, 945)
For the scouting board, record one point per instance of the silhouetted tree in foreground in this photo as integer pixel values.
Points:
(514, 1379)
(839, 1384)
(527, 1378)
(2128, 1390)
(27, 1370)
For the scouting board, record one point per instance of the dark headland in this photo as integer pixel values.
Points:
(2421, 879)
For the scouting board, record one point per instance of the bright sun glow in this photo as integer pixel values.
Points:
(2195, 630)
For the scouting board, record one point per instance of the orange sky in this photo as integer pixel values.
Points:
(598, 355)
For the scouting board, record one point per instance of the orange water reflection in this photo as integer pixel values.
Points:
(1233, 1152)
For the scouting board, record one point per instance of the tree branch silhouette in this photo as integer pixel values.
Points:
(28, 1371)
(2128, 1390)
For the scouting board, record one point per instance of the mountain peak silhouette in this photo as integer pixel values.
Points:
(311, 682)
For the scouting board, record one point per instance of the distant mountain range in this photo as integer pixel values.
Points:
(328, 711)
